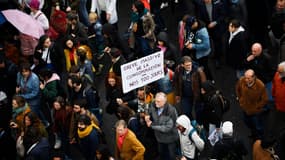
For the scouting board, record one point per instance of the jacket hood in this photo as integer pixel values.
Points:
(54, 77)
(185, 122)
(162, 36)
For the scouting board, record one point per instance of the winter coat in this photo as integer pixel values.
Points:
(89, 144)
(51, 88)
(188, 145)
(30, 90)
(170, 53)
(79, 32)
(236, 48)
(132, 149)
(278, 92)
(164, 125)
(228, 145)
(251, 99)
(198, 76)
(263, 67)
(39, 151)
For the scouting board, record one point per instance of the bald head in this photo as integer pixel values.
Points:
(256, 49)
(249, 77)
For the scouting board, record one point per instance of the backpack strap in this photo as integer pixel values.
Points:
(38, 15)
(191, 132)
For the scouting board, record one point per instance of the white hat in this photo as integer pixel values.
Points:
(227, 128)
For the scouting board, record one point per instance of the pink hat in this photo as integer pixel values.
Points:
(35, 4)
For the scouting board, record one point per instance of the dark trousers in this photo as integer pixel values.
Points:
(167, 151)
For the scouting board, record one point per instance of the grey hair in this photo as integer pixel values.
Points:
(161, 95)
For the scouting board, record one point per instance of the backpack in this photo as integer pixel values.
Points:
(199, 129)
(224, 101)
(101, 136)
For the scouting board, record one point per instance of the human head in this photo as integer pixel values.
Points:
(103, 152)
(281, 69)
(112, 80)
(34, 4)
(280, 5)
(79, 104)
(83, 122)
(160, 99)
(250, 77)
(124, 113)
(256, 49)
(227, 128)
(72, 18)
(93, 17)
(115, 53)
(76, 83)
(58, 103)
(25, 69)
(187, 63)
(18, 101)
(44, 42)
(121, 127)
(190, 22)
(31, 118)
(234, 25)
(138, 6)
(69, 42)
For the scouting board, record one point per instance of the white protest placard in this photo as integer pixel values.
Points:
(142, 71)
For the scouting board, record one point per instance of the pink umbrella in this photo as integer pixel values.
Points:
(25, 23)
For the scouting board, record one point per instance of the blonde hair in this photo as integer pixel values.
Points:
(93, 16)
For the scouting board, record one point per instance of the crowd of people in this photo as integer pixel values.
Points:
(49, 96)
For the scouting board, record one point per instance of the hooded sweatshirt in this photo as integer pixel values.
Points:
(188, 145)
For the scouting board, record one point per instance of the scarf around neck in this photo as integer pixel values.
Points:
(86, 131)
(17, 111)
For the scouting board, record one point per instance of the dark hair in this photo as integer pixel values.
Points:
(72, 16)
(76, 80)
(80, 102)
(84, 119)
(25, 66)
(235, 23)
(60, 100)
(104, 151)
(46, 73)
(125, 113)
(41, 42)
(139, 6)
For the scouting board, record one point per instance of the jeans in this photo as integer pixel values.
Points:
(187, 106)
(167, 151)
(255, 124)
(83, 13)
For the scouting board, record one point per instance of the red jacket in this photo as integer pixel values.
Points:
(278, 92)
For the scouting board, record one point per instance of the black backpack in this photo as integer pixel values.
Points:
(224, 101)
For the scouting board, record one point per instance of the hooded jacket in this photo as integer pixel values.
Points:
(188, 146)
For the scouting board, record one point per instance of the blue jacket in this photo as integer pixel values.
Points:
(202, 43)
(30, 90)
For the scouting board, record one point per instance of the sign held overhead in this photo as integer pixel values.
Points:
(142, 71)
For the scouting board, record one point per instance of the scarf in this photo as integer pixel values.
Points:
(17, 111)
(121, 140)
(86, 131)
(181, 35)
